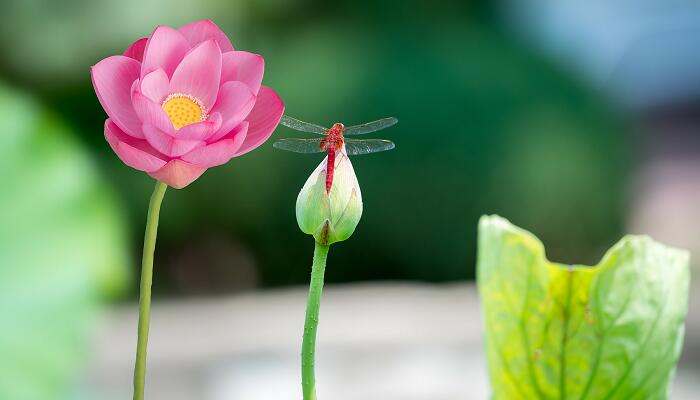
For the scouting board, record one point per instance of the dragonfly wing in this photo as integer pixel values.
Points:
(357, 147)
(302, 126)
(370, 126)
(305, 146)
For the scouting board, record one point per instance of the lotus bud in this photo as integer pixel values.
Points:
(330, 216)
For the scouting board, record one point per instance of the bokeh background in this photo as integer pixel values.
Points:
(577, 120)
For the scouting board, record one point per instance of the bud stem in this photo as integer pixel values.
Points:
(149, 245)
(308, 348)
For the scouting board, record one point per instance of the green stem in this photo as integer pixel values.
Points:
(308, 347)
(149, 245)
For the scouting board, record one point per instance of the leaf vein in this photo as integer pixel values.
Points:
(641, 350)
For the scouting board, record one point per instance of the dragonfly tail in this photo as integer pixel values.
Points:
(330, 168)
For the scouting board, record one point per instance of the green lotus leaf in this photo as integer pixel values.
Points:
(62, 249)
(554, 331)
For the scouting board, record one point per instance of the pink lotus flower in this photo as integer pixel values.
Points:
(183, 100)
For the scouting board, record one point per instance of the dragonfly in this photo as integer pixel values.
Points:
(334, 140)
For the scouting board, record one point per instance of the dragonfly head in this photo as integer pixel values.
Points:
(337, 127)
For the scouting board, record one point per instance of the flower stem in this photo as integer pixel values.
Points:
(149, 245)
(308, 347)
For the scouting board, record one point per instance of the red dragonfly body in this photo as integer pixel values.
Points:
(334, 141)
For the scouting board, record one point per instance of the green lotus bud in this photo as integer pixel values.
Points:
(330, 216)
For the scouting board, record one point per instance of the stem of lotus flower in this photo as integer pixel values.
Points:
(308, 347)
(149, 245)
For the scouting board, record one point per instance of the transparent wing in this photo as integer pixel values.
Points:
(298, 125)
(370, 126)
(305, 146)
(356, 147)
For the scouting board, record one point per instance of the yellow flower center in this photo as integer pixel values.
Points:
(183, 110)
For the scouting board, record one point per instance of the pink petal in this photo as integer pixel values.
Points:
(136, 50)
(136, 153)
(134, 87)
(200, 130)
(243, 66)
(235, 102)
(199, 73)
(155, 85)
(112, 79)
(220, 152)
(201, 31)
(151, 113)
(263, 119)
(165, 49)
(168, 144)
(178, 173)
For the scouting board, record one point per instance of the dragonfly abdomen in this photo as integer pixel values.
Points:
(330, 168)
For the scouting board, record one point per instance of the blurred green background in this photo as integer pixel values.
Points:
(486, 126)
